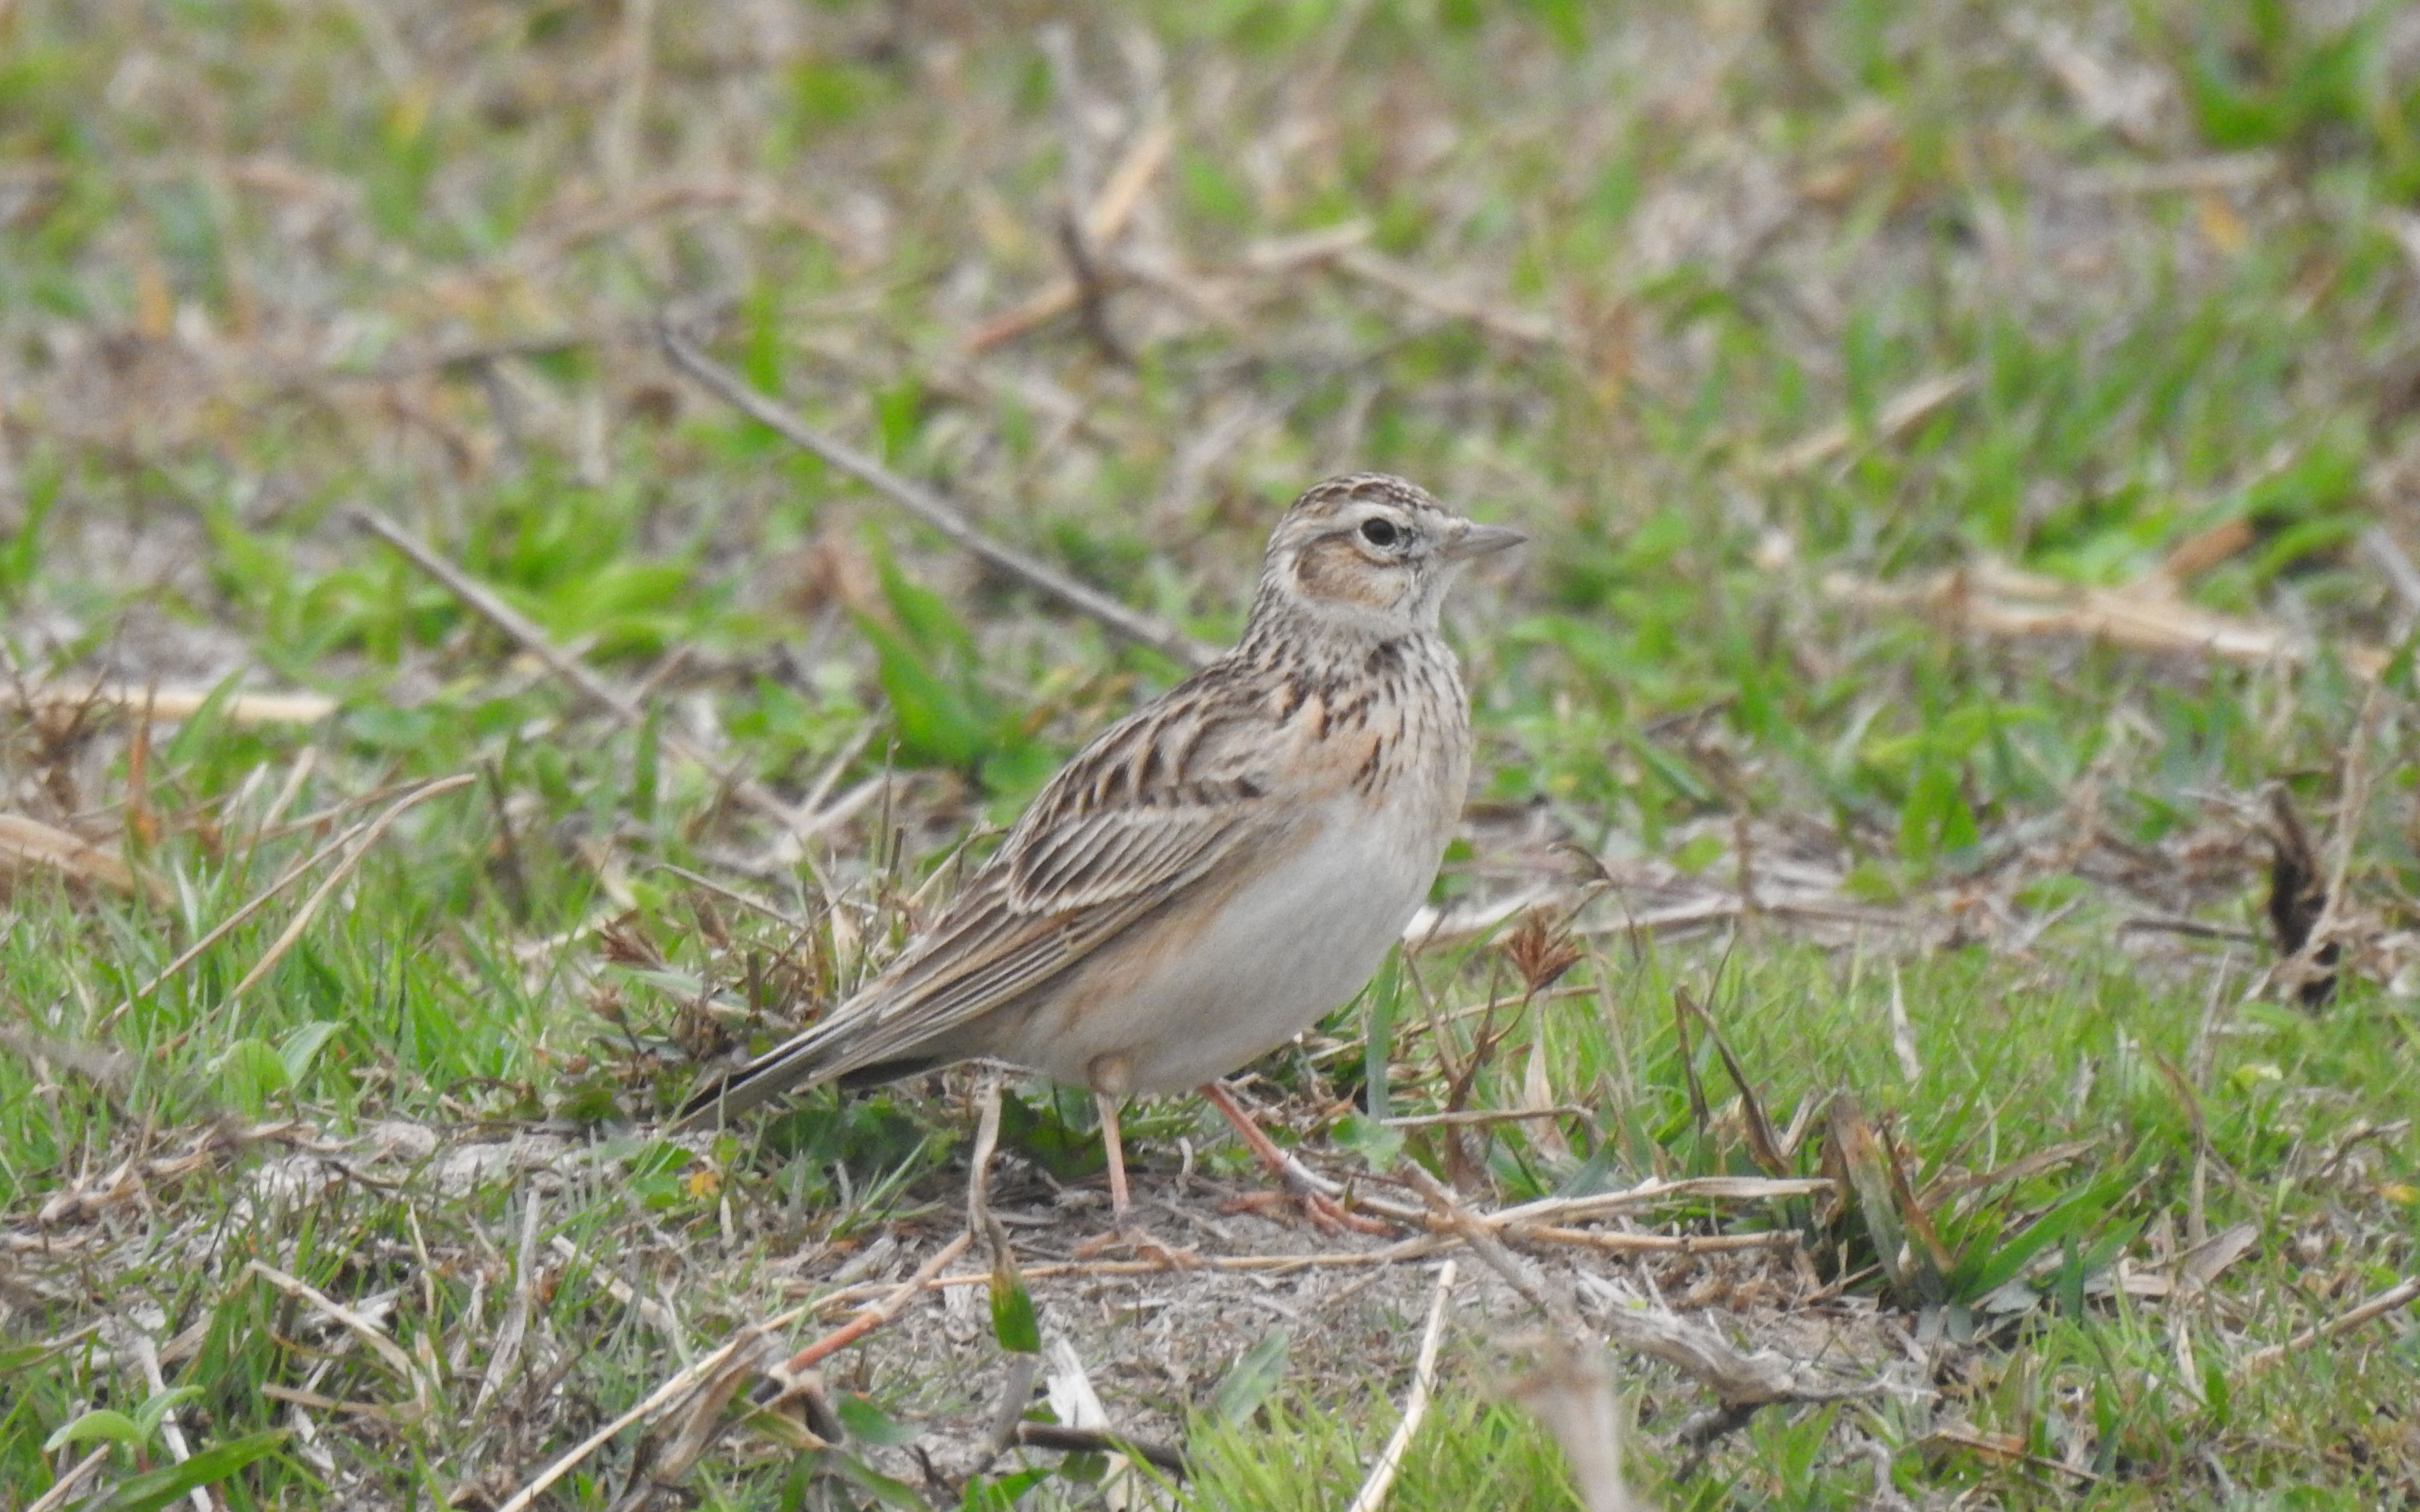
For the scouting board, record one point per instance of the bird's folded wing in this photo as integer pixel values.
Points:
(1017, 926)
(1134, 823)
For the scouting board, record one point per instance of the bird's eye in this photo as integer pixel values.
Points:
(1379, 532)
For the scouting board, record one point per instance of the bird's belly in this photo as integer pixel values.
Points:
(1283, 950)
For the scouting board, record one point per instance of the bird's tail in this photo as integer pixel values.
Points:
(797, 1063)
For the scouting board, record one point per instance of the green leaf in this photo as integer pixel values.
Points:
(302, 1046)
(1251, 1380)
(1935, 818)
(1012, 1309)
(101, 1423)
(1378, 1035)
(644, 765)
(939, 723)
(20, 553)
(870, 1424)
(1987, 1268)
(898, 413)
(885, 1491)
(1373, 1141)
(986, 1494)
(250, 1072)
(924, 616)
(157, 1407)
(206, 727)
(150, 1491)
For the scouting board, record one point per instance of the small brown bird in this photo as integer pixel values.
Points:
(1214, 871)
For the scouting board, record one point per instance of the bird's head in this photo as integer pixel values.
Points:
(1371, 553)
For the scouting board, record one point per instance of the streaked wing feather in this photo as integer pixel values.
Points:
(1151, 807)
(996, 945)
(1112, 855)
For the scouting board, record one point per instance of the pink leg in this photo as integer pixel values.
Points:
(1316, 1196)
(1117, 1154)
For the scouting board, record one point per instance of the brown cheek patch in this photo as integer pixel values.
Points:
(1332, 569)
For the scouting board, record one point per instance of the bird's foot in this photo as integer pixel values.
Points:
(1132, 1238)
(1326, 1213)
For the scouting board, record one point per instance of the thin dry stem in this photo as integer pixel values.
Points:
(1372, 1494)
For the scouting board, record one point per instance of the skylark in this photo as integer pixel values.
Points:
(1215, 871)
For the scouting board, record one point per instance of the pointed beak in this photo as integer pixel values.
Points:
(1475, 540)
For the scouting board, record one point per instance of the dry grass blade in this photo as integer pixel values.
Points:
(2378, 1305)
(2201, 1265)
(1741, 1379)
(1698, 1188)
(1999, 600)
(1513, 325)
(28, 843)
(1381, 1479)
(1903, 410)
(505, 1355)
(66, 1485)
(362, 1328)
(1471, 1118)
(525, 632)
(930, 508)
(172, 1433)
(256, 903)
(2387, 554)
(134, 1179)
(1621, 1243)
(881, 1312)
(334, 879)
(1110, 209)
(662, 1460)
(170, 704)
(679, 1383)
(1761, 1146)
(1572, 1392)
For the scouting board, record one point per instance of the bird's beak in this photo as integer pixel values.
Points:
(1475, 540)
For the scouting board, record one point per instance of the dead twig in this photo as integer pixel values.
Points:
(2403, 1293)
(1901, 412)
(334, 879)
(66, 1485)
(168, 706)
(1101, 225)
(25, 844)
(483, 602)
(359, 1327)
(1999, 600)
(1060, 1439)
(1572, 1392)
(881, 1312)
(1381, 1479)
(929, 507)
(1475, 1232)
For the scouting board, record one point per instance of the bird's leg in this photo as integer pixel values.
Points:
(1317, 1195)
(1109, 1088)
(1115, 1148)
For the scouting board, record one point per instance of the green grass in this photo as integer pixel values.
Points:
(259, 262)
